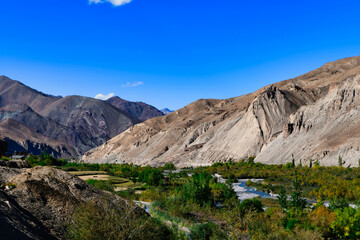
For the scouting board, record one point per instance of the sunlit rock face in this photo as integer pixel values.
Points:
(314, 116)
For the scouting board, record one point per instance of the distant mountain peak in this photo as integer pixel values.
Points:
(139, 110)
(166, 111)
(77, 122)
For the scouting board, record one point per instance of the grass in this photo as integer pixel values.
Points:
(119, 183)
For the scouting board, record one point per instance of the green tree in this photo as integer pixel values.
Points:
(151, 176)
(282, 198)
(295, 197)
(197, 189)
(251, 160)
(340, 161)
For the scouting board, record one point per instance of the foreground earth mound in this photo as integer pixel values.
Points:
(38, 203)
(314, 116)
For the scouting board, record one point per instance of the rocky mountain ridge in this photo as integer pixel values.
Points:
(314, 116)
(139, 110)
(71, 125)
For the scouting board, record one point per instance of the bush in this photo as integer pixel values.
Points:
(169, 166)
(251, 160)
(110, 222)
(197, 189)
(338, 203)
(347, 223)
(289, 165)
(151, 176)
(322, 218)
(207, 231)
(248, 205)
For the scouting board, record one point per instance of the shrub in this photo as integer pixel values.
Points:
(322, 218)
(338, 203)
(169, 166)
(347, 223)
(207, 231)
(150, 176)
(254, 205)
(197, 189)
(251, 160)
(289, 165)
(110, 222)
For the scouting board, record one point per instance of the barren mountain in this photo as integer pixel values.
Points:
(139, 110)
(81, 122)
(14, 92)
(93, 119)
(42, 125)
(22, 138)
(314, 116)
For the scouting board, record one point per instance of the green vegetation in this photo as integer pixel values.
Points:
(193, 201)
(5, 158)
(45, 160)
(110, 222)
(103, 185)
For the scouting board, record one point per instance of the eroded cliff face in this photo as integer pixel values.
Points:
(314, 116)
(322, 131)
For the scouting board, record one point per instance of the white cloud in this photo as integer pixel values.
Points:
(113, 2)
(134, 84)
(104, 97)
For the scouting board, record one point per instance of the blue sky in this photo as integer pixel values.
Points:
(169, 53)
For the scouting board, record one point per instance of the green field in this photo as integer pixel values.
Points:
(119, 183)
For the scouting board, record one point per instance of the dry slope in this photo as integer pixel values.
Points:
(313, 116)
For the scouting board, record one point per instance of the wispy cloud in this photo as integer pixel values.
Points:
(113, 2)
(134, 84)
(104, 97)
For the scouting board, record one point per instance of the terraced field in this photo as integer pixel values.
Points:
(119, 183)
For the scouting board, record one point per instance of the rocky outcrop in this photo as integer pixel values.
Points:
(323, 131)
(313, 116)
(15, 164)
(18, 224)
(44, 199)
